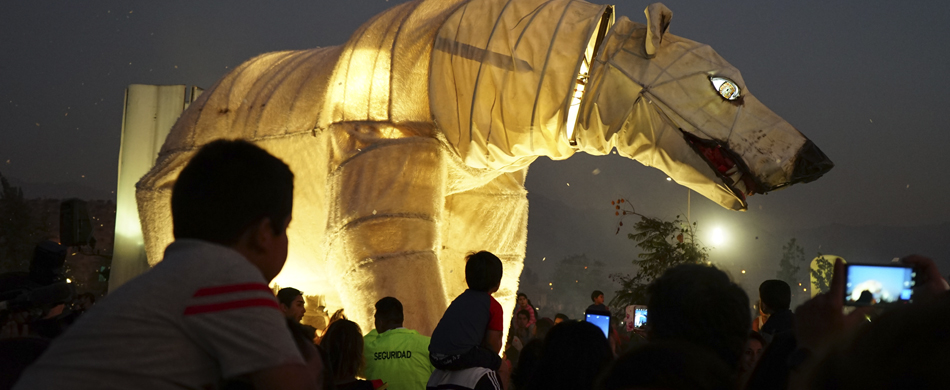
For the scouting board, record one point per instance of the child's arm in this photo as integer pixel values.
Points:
(496, 325)
(492, 340)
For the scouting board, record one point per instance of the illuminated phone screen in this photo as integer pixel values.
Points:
(868, 284)
(639, 318)
(601, 320)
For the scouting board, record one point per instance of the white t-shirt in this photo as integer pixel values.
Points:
(203, 314)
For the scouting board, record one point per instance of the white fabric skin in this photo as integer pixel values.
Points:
(410, 143)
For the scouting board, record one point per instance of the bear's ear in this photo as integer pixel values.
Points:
(658, 21)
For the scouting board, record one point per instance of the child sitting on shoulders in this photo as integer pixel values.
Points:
(470, 332)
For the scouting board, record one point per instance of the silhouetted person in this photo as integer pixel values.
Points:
(528, 359)
(866, 298)
(668, 365)
(775, 297)
(572, 356)
(700, 305)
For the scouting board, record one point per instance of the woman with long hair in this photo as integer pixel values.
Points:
(343, 343)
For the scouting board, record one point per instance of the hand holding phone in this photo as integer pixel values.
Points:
(930, 283)
(821, 318)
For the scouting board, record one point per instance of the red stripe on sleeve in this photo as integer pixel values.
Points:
(230, 288)
(215, 307)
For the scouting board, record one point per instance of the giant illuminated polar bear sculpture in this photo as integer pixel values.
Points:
(410, 143)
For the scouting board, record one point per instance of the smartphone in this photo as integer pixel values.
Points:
(599, 318)
(639, 316)
(878, 284)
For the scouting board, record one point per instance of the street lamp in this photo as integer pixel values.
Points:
(688, 194)
(718, 236)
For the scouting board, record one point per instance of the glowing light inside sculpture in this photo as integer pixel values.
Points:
(576, 100)
(727, 88)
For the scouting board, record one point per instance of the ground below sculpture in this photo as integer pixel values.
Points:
(410, 143)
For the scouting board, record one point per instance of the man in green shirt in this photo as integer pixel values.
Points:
(396, 355)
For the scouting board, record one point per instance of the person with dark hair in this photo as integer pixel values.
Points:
(521, 333)
(560, 317)
(669, 365)
(544, 326)
(528, 359)
(775, 296)
(700, 305)
(343, 343)
(573, 355)
(291, 303)
(396, 355)
(753, 351)
(204, 314)
(771, 371)
(597, 297)
(523, 303)
(470, 332)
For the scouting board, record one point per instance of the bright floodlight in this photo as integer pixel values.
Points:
(718, 236)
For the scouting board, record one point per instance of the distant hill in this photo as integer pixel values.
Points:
(60, 190)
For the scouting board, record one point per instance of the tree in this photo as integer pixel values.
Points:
(822, 275)
(663, 245)
(789, 266)
(574, 278)
(19, 231)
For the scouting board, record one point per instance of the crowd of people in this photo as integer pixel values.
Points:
(205, 318)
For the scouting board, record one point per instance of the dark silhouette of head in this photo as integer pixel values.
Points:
(388, 314)
(343, 342)
(669, 365)
(542, 327)
(700, 305)
(528, 360)
(560, 317)
(776, 295)
(228, 186)
(573, 355)
(866, 298)
(483, 271)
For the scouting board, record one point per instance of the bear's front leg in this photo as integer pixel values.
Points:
(386, 189)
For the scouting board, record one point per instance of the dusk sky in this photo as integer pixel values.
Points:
(866, 81)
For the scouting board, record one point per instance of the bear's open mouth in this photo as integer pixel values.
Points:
(731, 169)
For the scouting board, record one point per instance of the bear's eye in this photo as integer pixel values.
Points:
(727, 88)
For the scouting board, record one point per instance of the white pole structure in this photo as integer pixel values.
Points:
(148, 116)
